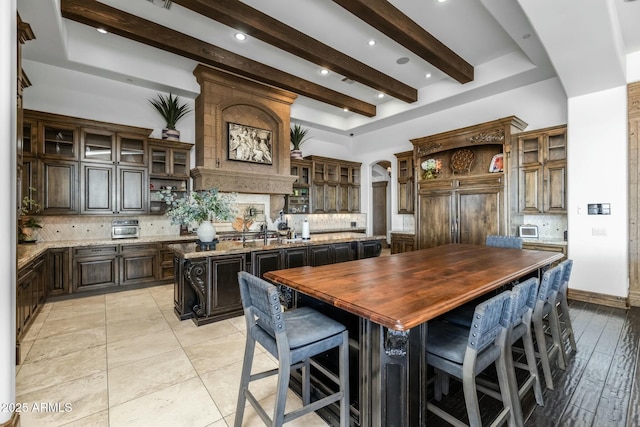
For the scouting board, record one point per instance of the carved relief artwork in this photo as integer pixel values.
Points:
(428, 149)
(495, 136)
(249, 144)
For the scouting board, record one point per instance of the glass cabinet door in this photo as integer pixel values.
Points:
(159, 161)
(180, 163)
(97, 146)
(59, 141)
(132, 149)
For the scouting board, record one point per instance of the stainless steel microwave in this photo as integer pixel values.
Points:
(528, 231)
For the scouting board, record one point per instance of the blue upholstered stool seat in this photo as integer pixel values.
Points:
(293, 337)
(313, 334)
(464, 352)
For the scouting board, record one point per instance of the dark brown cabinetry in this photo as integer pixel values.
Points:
(169, 165)
(138, 263)
(463, 202)
(465, 214)
(110, 189)
(31, 292)
(331, 254)
(542, 171)
(224, 301)
(335, 185)
(95, 267)
(167, 265)
(402, 242)
(58, 187)
(206, 289)
(114, 172)
(58, 262)
(85, 166)
(406, 182)
(300, 199)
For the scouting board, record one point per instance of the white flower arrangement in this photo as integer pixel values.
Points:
(431, 168)
(198, 206)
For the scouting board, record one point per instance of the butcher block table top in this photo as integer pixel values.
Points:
(404, 290)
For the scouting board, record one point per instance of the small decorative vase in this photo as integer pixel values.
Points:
(206, 232)
(296, 154)
(171, 134)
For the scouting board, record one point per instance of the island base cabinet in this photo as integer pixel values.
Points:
(207, 290)
(184, 296)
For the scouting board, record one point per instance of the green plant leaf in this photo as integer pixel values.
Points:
(170, 108)
(298, 135)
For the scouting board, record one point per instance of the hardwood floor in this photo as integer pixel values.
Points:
(600, 386)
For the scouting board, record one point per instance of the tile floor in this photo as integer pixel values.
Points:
(124, 359)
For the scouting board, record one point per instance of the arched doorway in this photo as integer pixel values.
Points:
(380, 194)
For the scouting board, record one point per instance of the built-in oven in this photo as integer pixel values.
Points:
(125, 229)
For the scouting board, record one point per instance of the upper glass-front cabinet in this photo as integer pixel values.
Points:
(109, 147)
(59, 141)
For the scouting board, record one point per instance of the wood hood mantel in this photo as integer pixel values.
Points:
(227, 98)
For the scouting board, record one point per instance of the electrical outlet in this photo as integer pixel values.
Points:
(601, 232)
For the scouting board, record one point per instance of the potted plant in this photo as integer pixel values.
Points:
(200, 207)
(27, 223)
(171, 111)
(298, 136)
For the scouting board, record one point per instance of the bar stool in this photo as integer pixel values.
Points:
(523, 300)
(293, 337)
(464, 353)
(563, 306)
(546, 300)
(504, 241)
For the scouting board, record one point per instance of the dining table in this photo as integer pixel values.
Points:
(393, 298)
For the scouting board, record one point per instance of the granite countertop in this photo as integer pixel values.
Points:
(407, 232)
(27, 252)
(189, 250)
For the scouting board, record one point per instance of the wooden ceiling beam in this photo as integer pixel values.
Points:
(97, 14)
(387, 19)
(242, 17)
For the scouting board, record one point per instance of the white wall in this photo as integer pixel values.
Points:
(598, 173)
(8, 210)
(540, 105)
(61, 91)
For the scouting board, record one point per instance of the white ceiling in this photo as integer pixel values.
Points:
(510, 44)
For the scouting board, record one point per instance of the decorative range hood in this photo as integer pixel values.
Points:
(230, 108)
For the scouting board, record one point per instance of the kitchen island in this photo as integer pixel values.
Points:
(388, 303)
(206, 282)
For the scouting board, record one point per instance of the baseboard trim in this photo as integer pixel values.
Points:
(597, 298)
(13, 422)
(634, 298)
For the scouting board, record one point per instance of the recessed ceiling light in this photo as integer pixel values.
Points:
(101, 30)
(441, 1)
(371, 42)
(402, 60)
(240, 36)
(428, 75)
(324, 71)
(381, 95)
(345, 109)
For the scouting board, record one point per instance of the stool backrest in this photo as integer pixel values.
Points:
(523, 300)
(261, 303)
(504, 241)
(488, 321)
(567, 265)
(550, 284)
